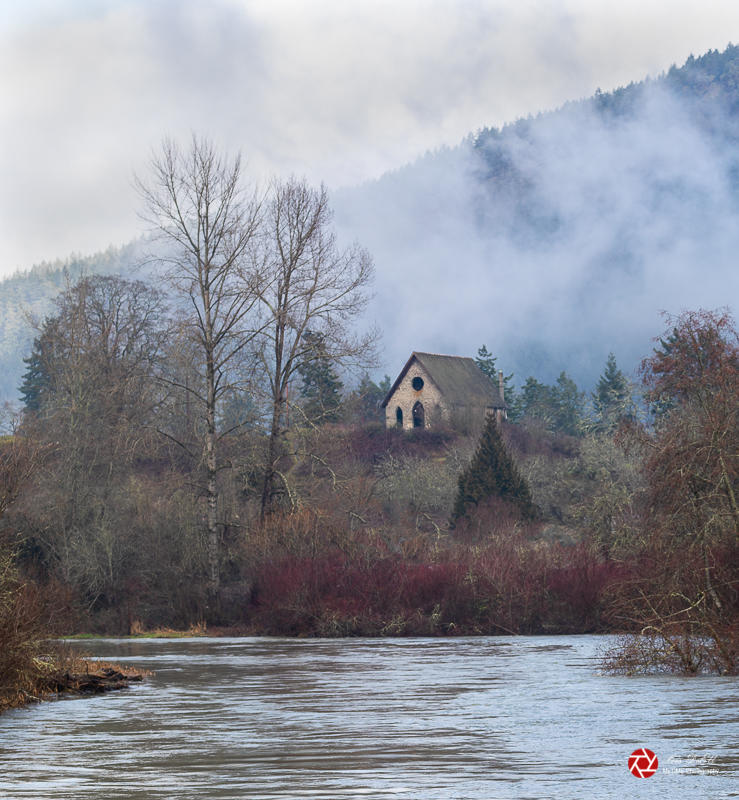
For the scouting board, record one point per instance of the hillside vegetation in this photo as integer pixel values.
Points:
(625, 523)
(560, 236)
(27, 297)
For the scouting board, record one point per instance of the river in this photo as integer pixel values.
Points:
(417, 719)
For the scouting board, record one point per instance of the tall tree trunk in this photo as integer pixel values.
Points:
(273, 453)
(211, 474)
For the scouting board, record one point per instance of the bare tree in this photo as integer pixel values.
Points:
(91, 397)
(196, 202)
(99, 351)
(312, 286)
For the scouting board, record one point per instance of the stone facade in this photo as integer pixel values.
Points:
(433, 387)
(426, 400)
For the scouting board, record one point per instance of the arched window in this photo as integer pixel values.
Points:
(399, 417)
(419, 416)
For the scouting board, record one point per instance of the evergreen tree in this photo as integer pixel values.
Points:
(35, 379)
(569, 404)
(365, 401)
(612, 396)
(38, 379)
(486, 362)
(321, 389)
(537, 401)
(559, 407)
(492, 473)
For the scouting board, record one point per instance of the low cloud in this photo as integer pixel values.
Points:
(335, 91)
(557, 241)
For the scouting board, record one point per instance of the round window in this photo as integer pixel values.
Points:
(417, 383)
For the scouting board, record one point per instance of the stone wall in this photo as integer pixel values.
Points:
(406, 396)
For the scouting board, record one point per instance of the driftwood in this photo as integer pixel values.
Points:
(101, 680)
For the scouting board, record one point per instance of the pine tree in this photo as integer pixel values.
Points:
(612, 396)
(37, 379)
(560, 407)
(569, 406)
(537, 401)
(486, 362)
(321, 389)
(492, 473)
(365, 401)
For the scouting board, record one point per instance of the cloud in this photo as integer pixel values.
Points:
(331, 90)
(582, 228)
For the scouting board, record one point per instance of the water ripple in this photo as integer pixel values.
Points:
(421, 719)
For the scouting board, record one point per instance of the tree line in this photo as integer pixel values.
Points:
(562, 407)
(189, 456)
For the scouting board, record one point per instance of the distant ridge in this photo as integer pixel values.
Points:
(29, 294)
(559, 238)
(555, 239)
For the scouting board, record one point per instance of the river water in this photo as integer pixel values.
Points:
(418, 719)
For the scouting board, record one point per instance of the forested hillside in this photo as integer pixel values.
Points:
(555, 239)
(28, 296)
(562, 236)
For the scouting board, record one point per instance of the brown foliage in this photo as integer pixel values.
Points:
(683, 599)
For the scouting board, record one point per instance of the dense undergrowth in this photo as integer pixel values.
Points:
(633, 532)
(369, 550)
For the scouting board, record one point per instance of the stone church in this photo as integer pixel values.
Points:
(448, 389)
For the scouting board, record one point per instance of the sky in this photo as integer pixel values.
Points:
(330, 90)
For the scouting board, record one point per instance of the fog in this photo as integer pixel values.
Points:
(585, 231)
(558, 239)
(334, 91)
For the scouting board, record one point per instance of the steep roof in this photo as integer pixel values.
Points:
(459, 379)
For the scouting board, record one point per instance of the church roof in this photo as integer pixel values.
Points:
(459, 379)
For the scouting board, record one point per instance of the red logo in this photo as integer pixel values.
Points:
(643, 763)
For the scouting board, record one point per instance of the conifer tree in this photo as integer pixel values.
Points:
(560, 407)
(486, 363)
(365, 401)
(612, 396)
(485, 360)
(36, 379)
(321, 389)
(569, 406)
(492, 473)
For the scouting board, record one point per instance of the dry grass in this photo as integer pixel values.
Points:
(139, 630)
(58, 669)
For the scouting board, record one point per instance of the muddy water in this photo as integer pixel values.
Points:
(474, 718)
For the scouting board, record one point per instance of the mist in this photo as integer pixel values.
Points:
(558, 239)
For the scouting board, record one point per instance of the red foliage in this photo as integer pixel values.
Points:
(508, 585)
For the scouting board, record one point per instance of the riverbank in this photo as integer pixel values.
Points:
(62, 671)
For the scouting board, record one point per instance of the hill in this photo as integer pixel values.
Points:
(554, 240)
(561, 237)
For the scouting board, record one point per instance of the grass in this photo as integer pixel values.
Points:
(61, 670)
